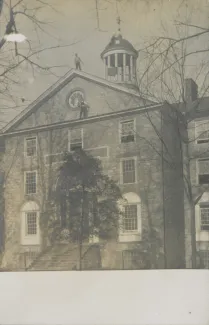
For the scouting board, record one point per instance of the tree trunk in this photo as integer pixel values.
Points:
(81, 229)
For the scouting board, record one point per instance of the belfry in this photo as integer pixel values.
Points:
(120, 58)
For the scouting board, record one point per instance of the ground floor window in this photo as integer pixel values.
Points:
(130, 259)
(204, 255)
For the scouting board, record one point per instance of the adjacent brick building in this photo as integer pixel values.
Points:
(140, 146)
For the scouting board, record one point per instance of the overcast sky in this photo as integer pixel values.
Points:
(75, 21)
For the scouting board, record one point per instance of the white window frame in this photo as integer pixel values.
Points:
(30, 239)
(25, 146)
(197, 138)
(121, 170)
(134, 231)
(69, 138)
(25, 173)
(120, 129)
(133, 235)
(197, 169)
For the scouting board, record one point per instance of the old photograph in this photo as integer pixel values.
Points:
(104, 140)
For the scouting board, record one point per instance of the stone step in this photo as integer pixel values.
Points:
(59, 258)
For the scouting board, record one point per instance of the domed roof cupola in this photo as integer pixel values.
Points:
(120, 58)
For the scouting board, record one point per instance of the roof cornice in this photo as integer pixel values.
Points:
(83, 121)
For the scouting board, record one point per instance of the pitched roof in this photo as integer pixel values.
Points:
(59, 85)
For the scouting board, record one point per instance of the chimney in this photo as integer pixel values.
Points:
(190, 90)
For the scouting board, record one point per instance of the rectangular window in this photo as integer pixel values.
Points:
(130, 218)
(76, 139)
(30, 182)
(128, 171)
(127, 131)
(31, 146)
(31, 223)
(204, 218)
(203, 171)
(205, 258)
(202, 131)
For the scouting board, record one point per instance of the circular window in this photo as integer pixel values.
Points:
(75, 98)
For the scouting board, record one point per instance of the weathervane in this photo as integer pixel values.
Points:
(118, 20)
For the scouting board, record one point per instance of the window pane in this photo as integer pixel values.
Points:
(129, 171)
(130, 218)
(31, 223)
(30, 185)
(31, 147)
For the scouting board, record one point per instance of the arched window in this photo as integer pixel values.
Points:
(30, 231)
(130, 224)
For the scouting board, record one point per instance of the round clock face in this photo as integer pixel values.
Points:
(75, 98)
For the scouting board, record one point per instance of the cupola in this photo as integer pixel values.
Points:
(120, 58)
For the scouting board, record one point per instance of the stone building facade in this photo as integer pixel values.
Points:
(140, 147)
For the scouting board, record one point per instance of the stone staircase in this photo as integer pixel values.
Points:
(65, 257)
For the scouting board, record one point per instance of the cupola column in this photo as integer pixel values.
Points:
(131, 67)
(108, 61)
(124, 67)
(116, 65)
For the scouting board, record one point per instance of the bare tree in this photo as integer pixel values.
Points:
(21, 46)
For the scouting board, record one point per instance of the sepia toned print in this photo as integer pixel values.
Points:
(107, 171)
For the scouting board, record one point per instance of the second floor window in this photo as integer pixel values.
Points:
(75, 139)
(127, 131)
(128, 171)
(203, 171)
(204, 218)
(31, 146)
(30, 182)
(31, 223)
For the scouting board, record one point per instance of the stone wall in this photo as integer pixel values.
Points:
(148, 151)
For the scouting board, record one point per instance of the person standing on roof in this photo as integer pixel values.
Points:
(83, 109)
(77, 62)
